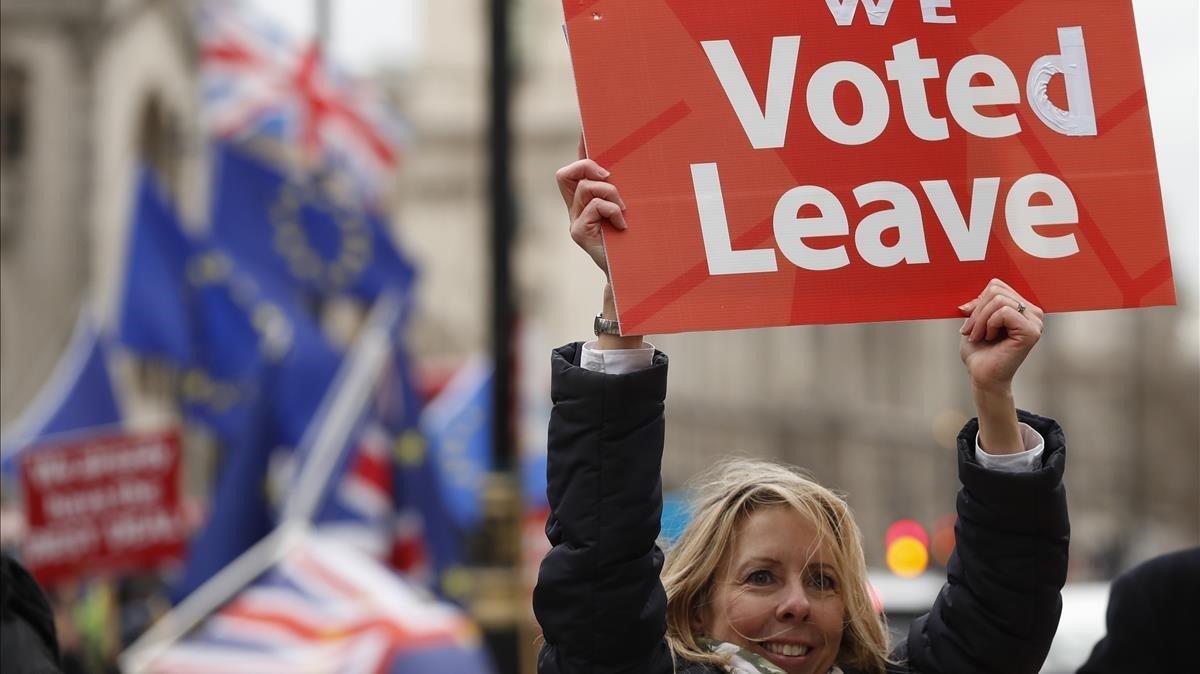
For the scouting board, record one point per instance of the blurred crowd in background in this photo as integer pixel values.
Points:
(271, 225)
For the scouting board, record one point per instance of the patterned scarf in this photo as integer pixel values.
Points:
(742, 661)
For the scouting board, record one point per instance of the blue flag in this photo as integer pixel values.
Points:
(300, 380)
(262, 368)
(153, 320)
(222, 385)
(458, 426)
(419, 485)
(78, 395)
(222, 389)
(240, 513)
(302, 233)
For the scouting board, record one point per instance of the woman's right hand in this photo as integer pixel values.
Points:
(591, 203)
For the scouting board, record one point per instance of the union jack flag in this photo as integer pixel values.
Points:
(327, 608)
(364, 511)
(258, 84)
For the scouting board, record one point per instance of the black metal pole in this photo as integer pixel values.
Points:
(502, 221)
(502, 638)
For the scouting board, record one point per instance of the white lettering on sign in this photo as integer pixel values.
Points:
(970, 242)
(722, 259)
(968, 236)
(140, 530)
(929, 12)
(910, 71)
(54, 468)
(1079, 119)
(767, 127)
(904, 216)
(46, 546)
(1023, 217)
(843, 11)
(791, 229)
(964, 98)
(825, 115)
(878, 11)
(101, 498)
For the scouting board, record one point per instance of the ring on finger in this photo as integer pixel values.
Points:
(1021, 307)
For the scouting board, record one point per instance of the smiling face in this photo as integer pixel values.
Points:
(778, 593)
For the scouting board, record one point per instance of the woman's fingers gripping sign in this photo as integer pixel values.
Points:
(995, 296)
(569, 176)
(1000, 330)
(591, 203)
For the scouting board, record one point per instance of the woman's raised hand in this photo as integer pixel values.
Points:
(591, 203)
(1000, 330)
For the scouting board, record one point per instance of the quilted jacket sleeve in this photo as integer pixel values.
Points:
(599, 599)
(1000, 606)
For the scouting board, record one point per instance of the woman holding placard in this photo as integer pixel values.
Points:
(770, 575)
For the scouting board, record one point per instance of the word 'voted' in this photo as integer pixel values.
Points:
(767, 127)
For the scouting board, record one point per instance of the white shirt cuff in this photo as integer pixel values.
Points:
(1021, 462)
(616, 361)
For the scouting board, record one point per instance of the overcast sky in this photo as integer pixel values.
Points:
(368, 34)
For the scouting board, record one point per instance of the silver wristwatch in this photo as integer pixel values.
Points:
(605, 326)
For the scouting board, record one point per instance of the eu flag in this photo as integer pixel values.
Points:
(301, 378)
(240, 513)
(458, 426)
(78, 395)
(302, 232)
(262, 369)
(153, 319)
(221, 387)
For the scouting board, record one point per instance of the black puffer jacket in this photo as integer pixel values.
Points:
(28, 642)
(601, 604)
(1152, 620)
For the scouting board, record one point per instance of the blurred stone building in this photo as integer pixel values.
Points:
(88, 89)
(871, 409)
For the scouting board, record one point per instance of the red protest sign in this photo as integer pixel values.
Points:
(106, 503)
(788, 162)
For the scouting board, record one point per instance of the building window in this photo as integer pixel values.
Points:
(13, 116)
(14, 143)
(158, 143)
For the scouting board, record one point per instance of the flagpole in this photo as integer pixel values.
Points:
(324, 27)
(328, 433)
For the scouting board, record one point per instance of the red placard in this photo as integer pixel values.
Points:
(102, 504)
(805, 161)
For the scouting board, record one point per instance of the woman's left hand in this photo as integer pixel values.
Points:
(1001, 329)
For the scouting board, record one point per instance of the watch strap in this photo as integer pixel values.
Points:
(605, 326)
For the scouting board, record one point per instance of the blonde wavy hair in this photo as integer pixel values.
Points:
(725, 496)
